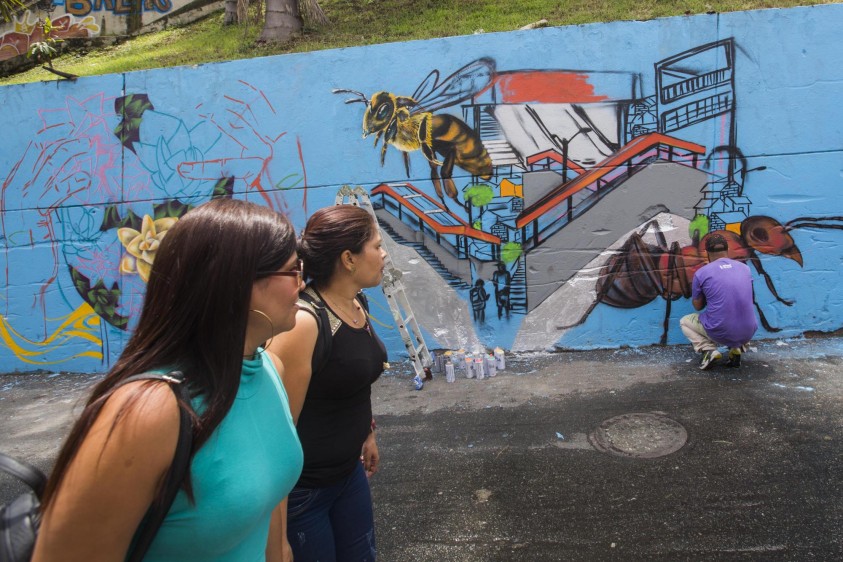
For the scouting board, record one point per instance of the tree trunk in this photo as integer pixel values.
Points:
(282, 21)
(230, 16)
(58, 72)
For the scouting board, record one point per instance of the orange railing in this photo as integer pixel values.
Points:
(555, 156)
(460, 229)
(557, 208)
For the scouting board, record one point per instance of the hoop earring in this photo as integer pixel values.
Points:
(271, 326)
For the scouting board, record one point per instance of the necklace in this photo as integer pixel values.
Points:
(350, 315)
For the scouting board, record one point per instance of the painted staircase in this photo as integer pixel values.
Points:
(428, 256)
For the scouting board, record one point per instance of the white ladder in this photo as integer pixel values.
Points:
(396, 296)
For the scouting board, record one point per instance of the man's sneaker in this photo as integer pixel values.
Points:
(734, 357)
(708, 359)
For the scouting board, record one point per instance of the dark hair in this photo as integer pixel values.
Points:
(195, 313)
(328, 233)
(715, 243)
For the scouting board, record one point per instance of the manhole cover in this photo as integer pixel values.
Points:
(643, 436)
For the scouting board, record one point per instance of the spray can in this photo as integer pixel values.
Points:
(468, 364)
(500, 359)
(459, 359)
(447, 356)
(491, 368)
(450, 376)
(480, 368)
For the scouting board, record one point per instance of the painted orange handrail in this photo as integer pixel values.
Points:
(635, 147)
(462, 230)
(554, 155)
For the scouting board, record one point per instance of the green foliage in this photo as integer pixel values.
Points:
(171, 208)
(103, 300)
(45, 51)
(168, 209)
(365, 22)
(510, 252)
(42, 51)
(698, 228)
(111, 219)
(130, 108)
(8, 9)
(224, 188)
(479, 195)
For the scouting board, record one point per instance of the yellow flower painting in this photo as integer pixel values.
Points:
(142, 246)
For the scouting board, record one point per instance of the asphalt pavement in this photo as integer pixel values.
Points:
(630, 454)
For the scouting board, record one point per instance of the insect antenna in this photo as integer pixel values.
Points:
(767, 279)
(814, 222)
(361, 97)
(763, 318)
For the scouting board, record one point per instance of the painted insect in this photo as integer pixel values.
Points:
(639, 272)
(411, 123)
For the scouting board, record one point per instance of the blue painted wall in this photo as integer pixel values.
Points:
(568, 142)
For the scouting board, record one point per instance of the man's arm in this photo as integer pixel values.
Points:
(697, 292)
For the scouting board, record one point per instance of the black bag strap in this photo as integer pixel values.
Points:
(311, 301)
(178, 469)
(176, 474)
(27, 473)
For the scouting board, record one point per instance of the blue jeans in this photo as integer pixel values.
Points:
(333, 524)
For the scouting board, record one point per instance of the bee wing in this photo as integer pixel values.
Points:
(431, 95)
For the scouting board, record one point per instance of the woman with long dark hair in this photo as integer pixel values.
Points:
(224, 280)
(329, 512)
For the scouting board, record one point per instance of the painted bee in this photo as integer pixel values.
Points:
(410, 123)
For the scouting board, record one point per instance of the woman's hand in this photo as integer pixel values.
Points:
(278, 549)
(370, 456)
(287, 552)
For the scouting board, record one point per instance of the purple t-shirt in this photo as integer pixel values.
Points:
(729, 316)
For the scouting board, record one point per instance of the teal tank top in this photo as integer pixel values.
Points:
(249, 464)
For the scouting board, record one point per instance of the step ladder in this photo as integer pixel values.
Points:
(395, 294)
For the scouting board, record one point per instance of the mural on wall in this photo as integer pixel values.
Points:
(84, 158)
(82, 19)
(528, 205)
(28, 29)
(116, 7)
(548, 151)
(639, 272)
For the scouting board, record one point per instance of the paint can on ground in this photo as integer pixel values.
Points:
(480, 368)
(438, 362)
(491, 368)
(500, 359)
(450, 376)
(459, 359)
(468, 365)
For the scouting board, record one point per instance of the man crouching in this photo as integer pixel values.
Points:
(724, 289)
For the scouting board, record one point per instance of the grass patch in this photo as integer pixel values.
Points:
(365, 22)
